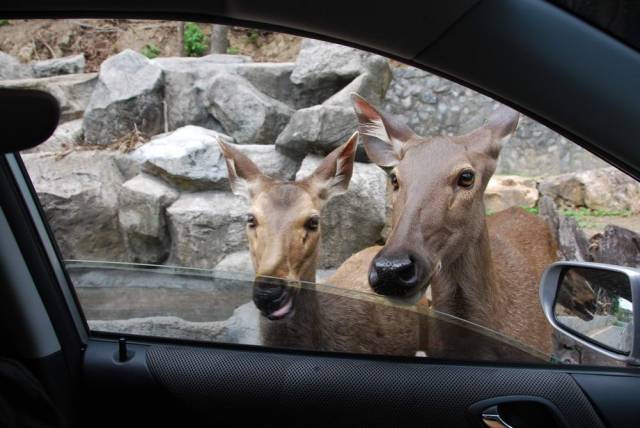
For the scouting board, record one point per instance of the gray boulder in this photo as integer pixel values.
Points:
(11, 68)
(354, 220)
(54, 67)
(571, 241)
(549, 213)
(164, 326)
(598, 189)
(245, 113)
(616, 245)
(72, 91)
(368, 85)
(318, 129)
(238, 262)
(142, 203)
(205, 227)
(320, 64)
(128, 95)
(184, 90)
(79, 195)
(505, 191)
(242, 327)
(190, 159)
(274, 79)
(271, 162)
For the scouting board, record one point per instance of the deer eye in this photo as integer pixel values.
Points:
(251, 221)
(466, 178)
(394, 181)
(313, 222)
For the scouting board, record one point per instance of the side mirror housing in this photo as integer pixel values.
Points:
(596, 305)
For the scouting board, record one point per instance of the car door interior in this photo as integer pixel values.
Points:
(115, 380)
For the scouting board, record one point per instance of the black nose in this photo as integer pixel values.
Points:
(269, 294)
(394, 275)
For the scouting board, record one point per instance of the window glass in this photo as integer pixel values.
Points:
(206, 183)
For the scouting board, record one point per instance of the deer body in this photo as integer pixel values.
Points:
(484, 271)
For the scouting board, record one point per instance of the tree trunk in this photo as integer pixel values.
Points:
(219, 40)
(181, 37)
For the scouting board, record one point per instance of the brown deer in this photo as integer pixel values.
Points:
(484, 270)
(283, 229)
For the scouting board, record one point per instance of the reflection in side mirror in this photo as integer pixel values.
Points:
(596, 304)
(593, 304)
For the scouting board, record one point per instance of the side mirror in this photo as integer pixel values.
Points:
(597, 305)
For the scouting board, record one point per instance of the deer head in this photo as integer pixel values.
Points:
(283, 222)
(438, 185)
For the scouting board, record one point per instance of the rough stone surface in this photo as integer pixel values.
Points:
(128, 95)
(205, 227)
(367, 85)
(548, 211)
(239, 262)
(245, 113)
(354, 220)
(142, 202)
(54, 67)
(190, 159)
(79, 195)
(71, 91)
(616, 245)
(505, 191)
(65, 137)
(274, 79)
(433, 106)
(11, 68)
(184, 91)
(572, 241)
(242, 327)
(610, 189)
(597, 189)
(318, 129)
(271, 162)
(320, 64)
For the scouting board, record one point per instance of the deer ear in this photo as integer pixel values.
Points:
(502, 123)
(244, 175)
(333, 174)
(383, 135)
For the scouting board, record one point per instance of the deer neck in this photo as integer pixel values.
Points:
(466, 287)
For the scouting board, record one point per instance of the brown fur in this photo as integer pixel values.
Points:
(490, 269)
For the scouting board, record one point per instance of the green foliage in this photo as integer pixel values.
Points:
(586, 212)
(531, 210)
(195, 42)
(150, 51)
(585, 217)
(253, 37)
(233, 50)
(4, 22)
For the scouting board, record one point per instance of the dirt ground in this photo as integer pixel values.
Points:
(593, 225)
(98, 39)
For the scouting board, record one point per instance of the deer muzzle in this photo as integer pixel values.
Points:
(274, 297)
(400, 274)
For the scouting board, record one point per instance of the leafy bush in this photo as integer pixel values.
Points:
(253, 37)
(150, 51)
(233, 50)
(4, 22)
(195, 42)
